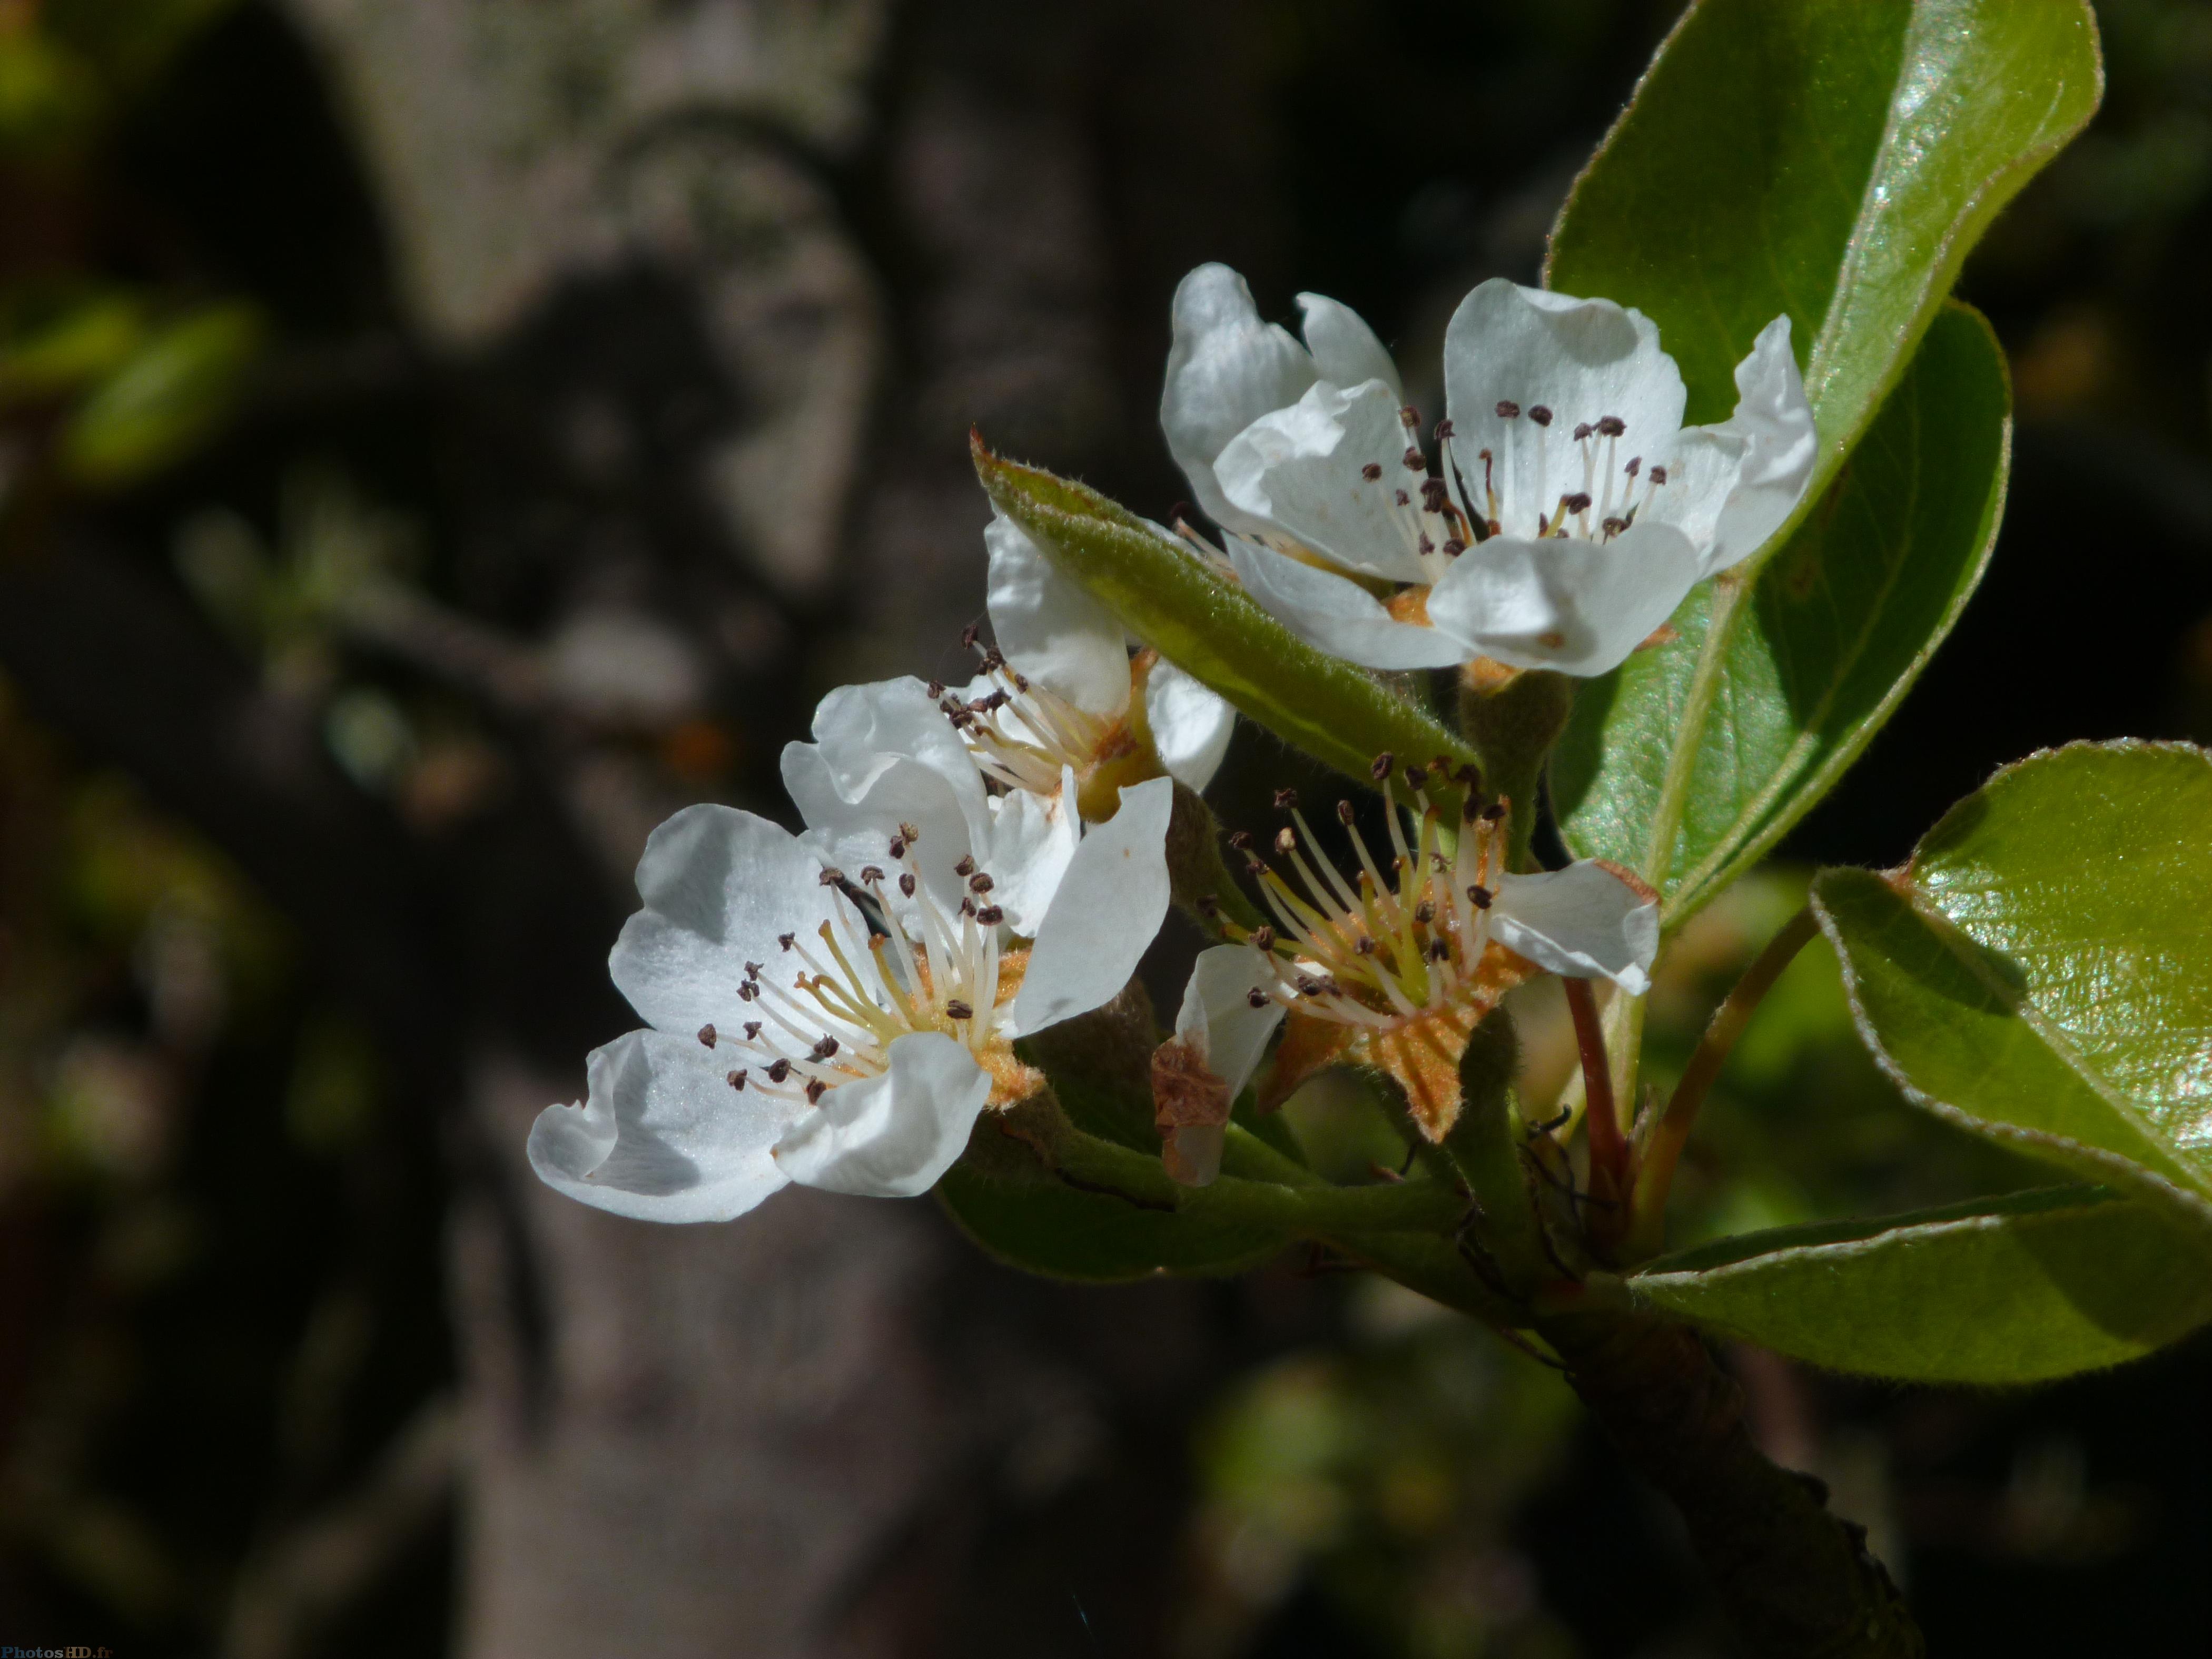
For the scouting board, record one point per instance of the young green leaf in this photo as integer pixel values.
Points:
(2041, 972)
(2014, 1290)
(1338, 713)
(1838, 626)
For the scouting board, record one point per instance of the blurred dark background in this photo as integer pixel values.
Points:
(440, 437)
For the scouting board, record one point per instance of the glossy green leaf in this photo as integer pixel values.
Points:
(1838, 626)
(2041, 972)
(164, 399)
(1338, 713)
(2015, 1289)
(1833, 159)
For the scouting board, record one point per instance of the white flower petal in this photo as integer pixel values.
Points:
(1217, 1018)
(1300, 469)
(718, 886)
(1775, 423)
(1582, 922)
(661, 1135)
(1109, 906)
(1337, 613)
(1345, 349)
(1226, 369)
(1050, 629)
(891, 1136)
(1582, 359)
(1576, 606)
(1191, 724)
(885, 756)
(1032, 839)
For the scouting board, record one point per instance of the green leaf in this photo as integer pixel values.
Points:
(1831, 159)
(2014, 1290)
(1338, 713)
(1838, 626)
(1021, 1213)
(2041, 972)
(164, 400)
(56, 342)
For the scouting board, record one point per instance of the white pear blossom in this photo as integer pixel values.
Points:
(841, 1030)
(1571, 511)
(1395, 963)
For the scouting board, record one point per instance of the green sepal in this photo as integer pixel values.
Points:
(1161, 592)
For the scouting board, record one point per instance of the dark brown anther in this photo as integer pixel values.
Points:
(1577, 502)
(1440, 864)
(906, 885)
(747, 991)
(1426, 546)
(1344, 811)
(1415, 778)
(1507, 408)
(753, 969)
(786, 941)
(1371, 471)
(1469, 777)
(1287, 800)
(1413, 461)
(965, 868)
(1635, 465)
(1309, 986)
(1542, 415)
(1613, 526)
(707, 1036)
(899, 849)
(1402, 498)
(908, 834)
(824, 1048)
(816, 1087)
(1409, 417)
(1494, 813)
(1286, 841)
(1445, 430)
(969, 635)
(1255, 868)
(1425, 912)
(830, 876)
(752, 1031)
(1611, 426)
(1365, 947)
(933, 690)
(1263, 939)
(1658, 475)
(871, 874)
(1241, 840)
(956, 1009)
(1480, 897)
(780, 1071)
(736, 1080)
(1582, 429)
(1181, 511)
(1381, 768)
(990, 915)
(1454, 547)
(1439, 950)
(1436, 496)
(980, 883)
(967, 906)
(1256, 997)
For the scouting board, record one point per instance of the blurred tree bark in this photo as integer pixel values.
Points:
(709, 292)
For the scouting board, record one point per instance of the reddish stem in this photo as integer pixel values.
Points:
(1608, 1151)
